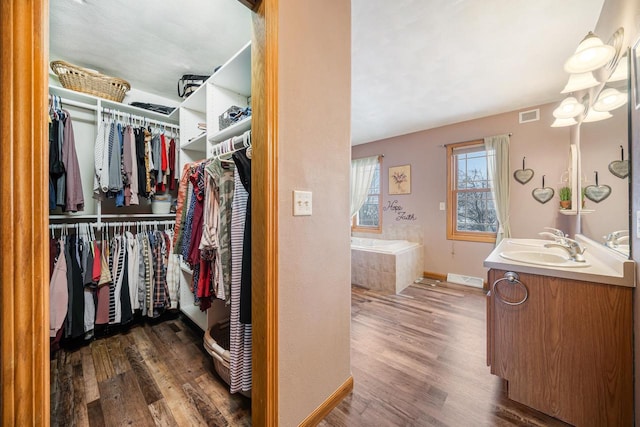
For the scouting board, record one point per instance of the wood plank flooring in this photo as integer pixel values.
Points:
(419, 359)
(151, 375)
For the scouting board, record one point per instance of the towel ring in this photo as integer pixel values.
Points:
(514, 279)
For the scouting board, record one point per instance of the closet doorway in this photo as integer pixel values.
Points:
(24, 215)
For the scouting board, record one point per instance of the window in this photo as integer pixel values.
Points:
(369, 216)
(471, 212)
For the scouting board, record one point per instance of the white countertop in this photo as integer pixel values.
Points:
(606, 265)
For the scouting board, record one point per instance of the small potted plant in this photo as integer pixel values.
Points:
(565, 197)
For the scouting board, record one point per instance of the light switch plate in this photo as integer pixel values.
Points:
(302, 203)
(442, 206)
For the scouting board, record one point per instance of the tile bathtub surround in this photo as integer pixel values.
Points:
(389, 273)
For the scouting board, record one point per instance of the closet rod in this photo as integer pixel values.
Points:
(230, 145)
(110, 224)
(109, 216)
(78, 104)
(125, 115)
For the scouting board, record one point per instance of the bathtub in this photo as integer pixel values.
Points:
(387, 266)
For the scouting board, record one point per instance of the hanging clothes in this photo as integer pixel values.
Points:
(241, 379)
(65, 181)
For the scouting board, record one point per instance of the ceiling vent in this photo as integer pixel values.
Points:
(530, 116)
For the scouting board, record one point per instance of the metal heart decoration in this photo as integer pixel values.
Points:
(597, 193)
(523, 175)
(543, 195)
(619, 168)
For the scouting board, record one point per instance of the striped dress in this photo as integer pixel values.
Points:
(240, 333)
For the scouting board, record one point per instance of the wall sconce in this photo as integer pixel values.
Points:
(568, 108)
(559, 123)
(595, 116)
(590, 55)
(592, 64)
(622, 70)
(610, 99)
(580, 81)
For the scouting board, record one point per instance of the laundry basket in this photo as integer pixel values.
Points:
(217, 344)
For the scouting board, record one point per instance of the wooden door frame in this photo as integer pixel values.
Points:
(24, 297)
(264, 206)
(24, 166)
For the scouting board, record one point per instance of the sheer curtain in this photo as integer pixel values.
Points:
(362, 171)
(498, 158)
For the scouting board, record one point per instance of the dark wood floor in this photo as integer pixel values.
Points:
(150, 375)
(419, 359)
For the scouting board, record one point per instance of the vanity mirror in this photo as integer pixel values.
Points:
(597, 110)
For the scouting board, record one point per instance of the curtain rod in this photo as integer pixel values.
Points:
(471, 140)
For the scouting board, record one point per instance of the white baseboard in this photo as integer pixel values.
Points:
(460, 279)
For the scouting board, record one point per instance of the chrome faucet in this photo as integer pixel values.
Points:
(557, 235)
(572, 247)
(614, 238)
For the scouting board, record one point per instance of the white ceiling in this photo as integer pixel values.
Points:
(416, 64)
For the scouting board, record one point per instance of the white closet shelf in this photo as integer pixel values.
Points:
(197, 101)
(235, 74)
(196, 144)
(94, 101)
(150, 216)
(233, 130)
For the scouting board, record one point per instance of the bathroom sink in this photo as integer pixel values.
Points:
(538, 243)
(543, 257)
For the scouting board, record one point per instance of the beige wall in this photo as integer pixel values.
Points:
(314, 254)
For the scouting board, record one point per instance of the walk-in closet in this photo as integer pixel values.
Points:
(150, 214)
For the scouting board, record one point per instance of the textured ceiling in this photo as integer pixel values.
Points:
(420, 64)
(416, 64)
(149, 43)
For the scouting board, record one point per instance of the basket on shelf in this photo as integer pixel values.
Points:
(228, 118)
(88, 81)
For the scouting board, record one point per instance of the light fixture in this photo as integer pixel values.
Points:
(580, 81)
(559, 123)
(595, 116)
(590, 55)
(621, 72)
(610, 99)
(568, 108)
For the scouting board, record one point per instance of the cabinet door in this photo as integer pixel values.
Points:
(566, 351)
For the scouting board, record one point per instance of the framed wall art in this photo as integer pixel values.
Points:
(400, 179)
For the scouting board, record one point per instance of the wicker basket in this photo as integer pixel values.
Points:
(91, 82)
(218, 336)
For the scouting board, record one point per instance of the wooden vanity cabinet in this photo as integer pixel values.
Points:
(565, 351)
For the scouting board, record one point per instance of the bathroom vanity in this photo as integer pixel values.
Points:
(562, 337)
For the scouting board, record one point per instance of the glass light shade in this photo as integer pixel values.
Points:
(595, 116)
(580, 81)
(568, 108)
(559, 123)
(621, 72)
(610, 99)
(590, 55)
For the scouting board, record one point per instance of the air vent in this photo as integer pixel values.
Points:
(530, 116)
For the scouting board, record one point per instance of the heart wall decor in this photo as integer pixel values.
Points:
(597, 193)
(544, 194)
(523, 175)
(620, 168)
